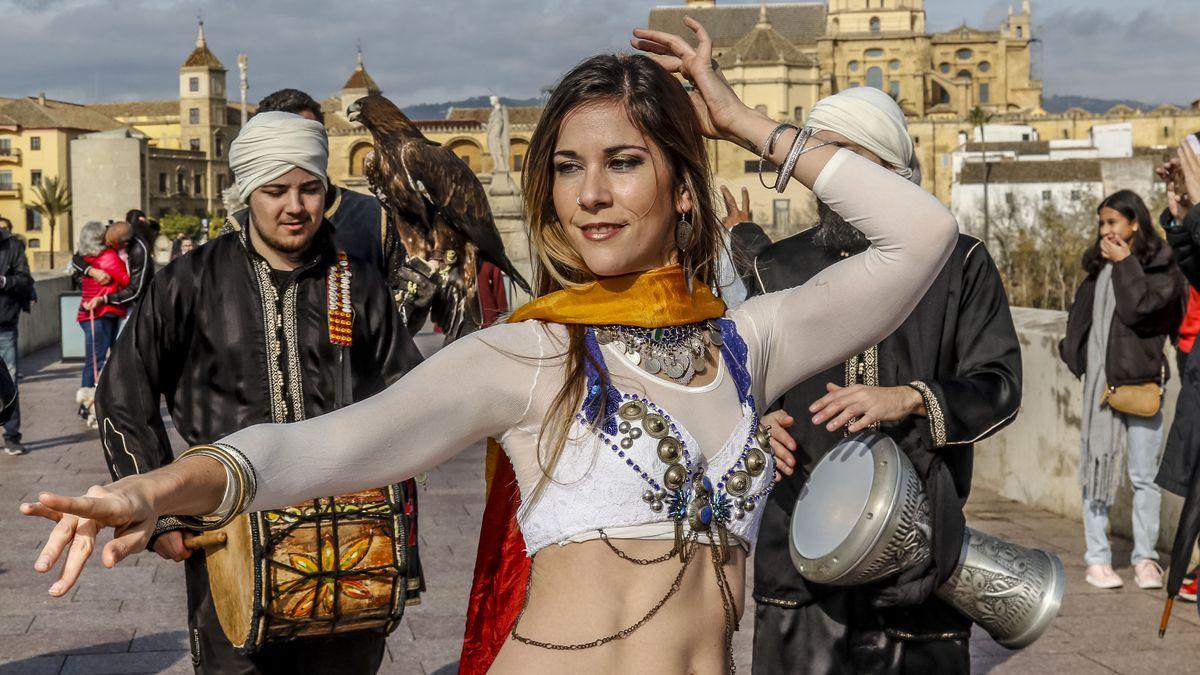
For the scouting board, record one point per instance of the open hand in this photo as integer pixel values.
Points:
(100, 276)
(714, 100)
(733, 213)
(783, 446)
(78, 521)
(859, 406)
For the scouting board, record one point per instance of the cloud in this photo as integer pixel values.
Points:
(416, 50)
(435, 50)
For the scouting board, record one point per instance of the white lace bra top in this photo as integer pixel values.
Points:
(642, 467)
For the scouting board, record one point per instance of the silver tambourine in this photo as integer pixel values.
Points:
(862, 516)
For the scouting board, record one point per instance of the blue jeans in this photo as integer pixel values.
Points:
(8, 352)
(1145, 436)
(98, 336)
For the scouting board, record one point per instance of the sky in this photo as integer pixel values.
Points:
(439, 50)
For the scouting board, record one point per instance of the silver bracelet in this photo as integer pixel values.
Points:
(240, 486)
(767, 148)
(785, 171)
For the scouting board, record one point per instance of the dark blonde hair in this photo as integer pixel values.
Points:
(660, 108)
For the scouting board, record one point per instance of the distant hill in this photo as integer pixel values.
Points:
(438, 111)
(1057, 104)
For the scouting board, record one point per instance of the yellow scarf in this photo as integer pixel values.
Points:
(651, 299)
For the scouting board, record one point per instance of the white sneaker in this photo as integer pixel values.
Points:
(1147, 575)
(1103, 576)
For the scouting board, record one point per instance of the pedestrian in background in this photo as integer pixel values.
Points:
(100, 249)
(1127, 306)
(16, 294)
(181, 246)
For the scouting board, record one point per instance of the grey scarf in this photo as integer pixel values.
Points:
(1102, 455)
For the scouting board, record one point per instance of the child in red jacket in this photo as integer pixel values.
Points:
(98, 319)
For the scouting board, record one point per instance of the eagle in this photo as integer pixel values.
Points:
(439, 209)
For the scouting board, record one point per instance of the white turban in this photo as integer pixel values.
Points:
(272, 144)
(871, 119)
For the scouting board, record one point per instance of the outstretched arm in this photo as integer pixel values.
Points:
(476, 387)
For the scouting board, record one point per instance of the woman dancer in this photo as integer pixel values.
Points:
(625, 397)
(1123, 312)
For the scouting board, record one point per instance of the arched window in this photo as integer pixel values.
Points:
(874, 24)
(518, 151)
(875, 77)
(358, 156)
(469, 152)
(1020, 31)
(963, 73)
(944, 67)
(837, 25)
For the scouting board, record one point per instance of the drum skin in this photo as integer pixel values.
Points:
(330, 565)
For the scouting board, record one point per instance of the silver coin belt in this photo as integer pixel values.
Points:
(679, 352)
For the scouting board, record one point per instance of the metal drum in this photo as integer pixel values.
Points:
(863, 516)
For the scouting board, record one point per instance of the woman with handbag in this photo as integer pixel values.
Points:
(1124, 310)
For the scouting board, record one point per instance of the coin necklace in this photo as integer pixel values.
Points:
(679, 352)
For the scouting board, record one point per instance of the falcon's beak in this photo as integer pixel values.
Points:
(354, 112)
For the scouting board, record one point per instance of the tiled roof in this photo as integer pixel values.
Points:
(32, 114)
(1060, 171)
(764, 45)
(800, 24)
(201, 57)
(516, 114)
(138, 108)
(359, 79)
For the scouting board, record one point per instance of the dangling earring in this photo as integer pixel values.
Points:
(683, 238)
(683, 232)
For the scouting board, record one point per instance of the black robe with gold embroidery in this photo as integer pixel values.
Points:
(228, 343)
(959, 348)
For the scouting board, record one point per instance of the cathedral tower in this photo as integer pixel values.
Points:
(204, 120)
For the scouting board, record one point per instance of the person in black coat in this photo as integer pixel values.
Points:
(1178, 471)
(1127, 306)
(16, 294)
(948, 377)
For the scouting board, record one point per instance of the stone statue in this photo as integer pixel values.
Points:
(498, 145)
(498, 136)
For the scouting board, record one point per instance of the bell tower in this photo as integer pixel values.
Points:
(204, 123)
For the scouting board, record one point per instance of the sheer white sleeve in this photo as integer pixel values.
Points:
(855, 303)
(479, 386)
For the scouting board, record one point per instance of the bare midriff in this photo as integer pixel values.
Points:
(581, 592)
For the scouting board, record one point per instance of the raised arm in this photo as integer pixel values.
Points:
(857, 302)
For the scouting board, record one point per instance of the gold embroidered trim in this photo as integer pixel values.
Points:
(268, 295)
(933, 410)
(778, 602)
(292, 340)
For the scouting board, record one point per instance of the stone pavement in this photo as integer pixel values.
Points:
(131, 619)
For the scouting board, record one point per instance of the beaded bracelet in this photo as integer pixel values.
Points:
(241, 476)
(768, 147)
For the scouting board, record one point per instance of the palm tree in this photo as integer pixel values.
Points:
(52, 199)
(980, 117)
